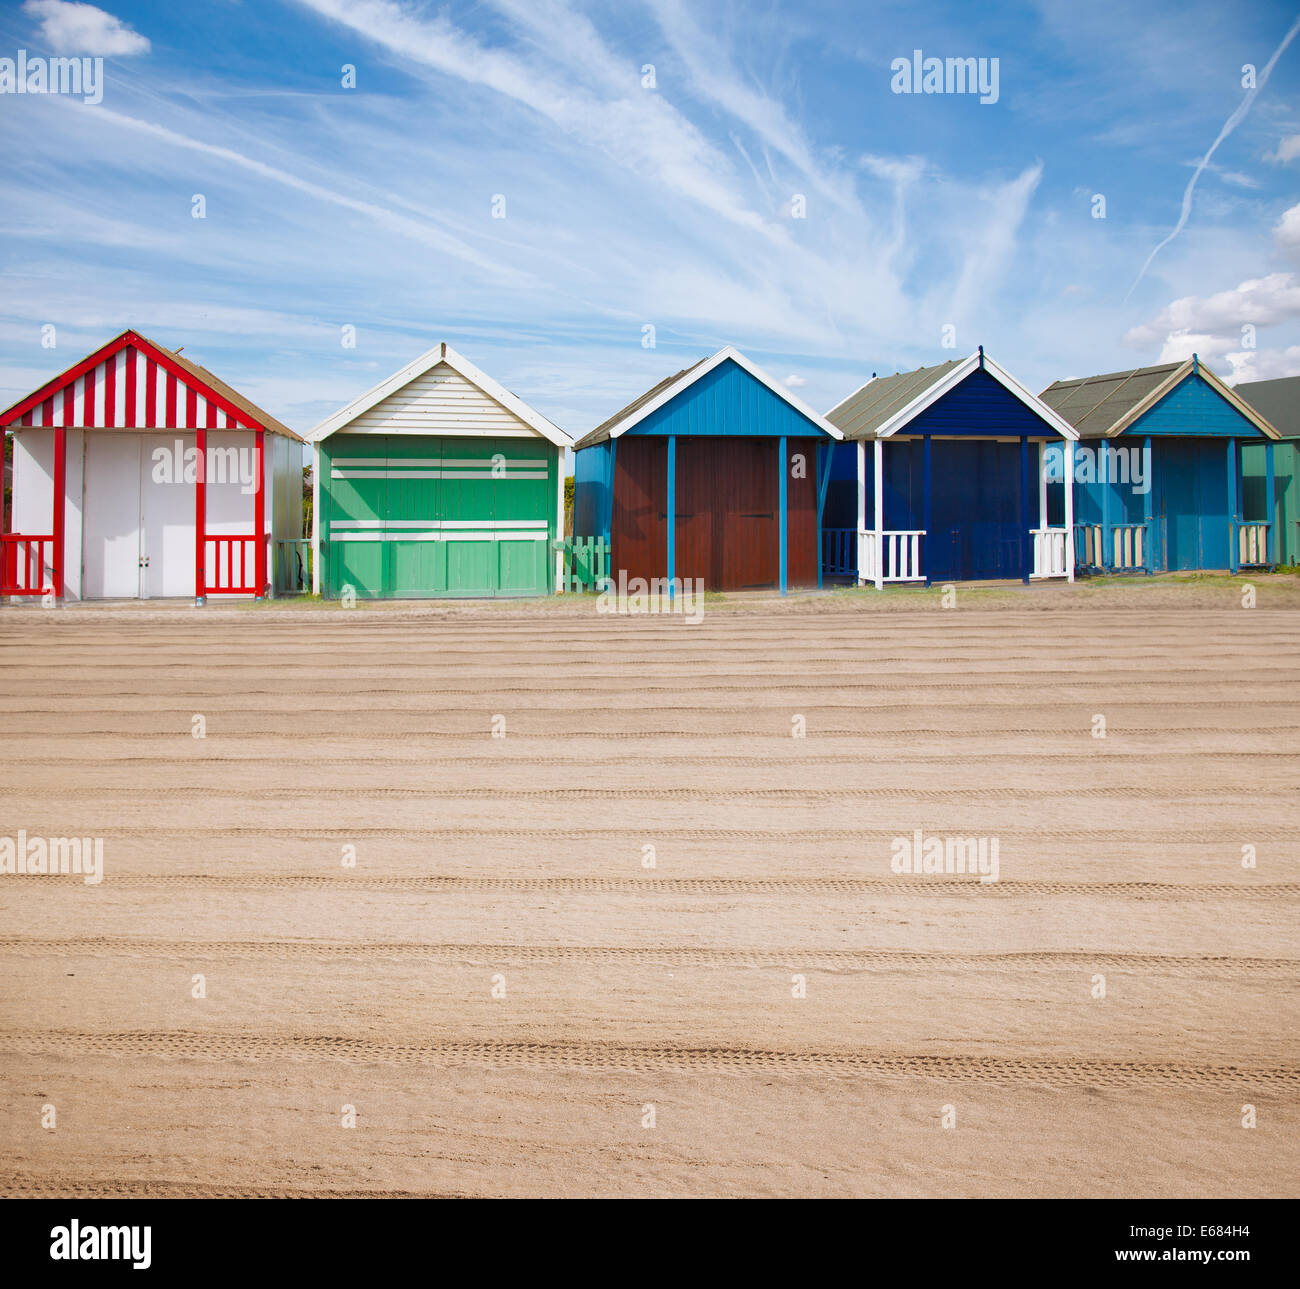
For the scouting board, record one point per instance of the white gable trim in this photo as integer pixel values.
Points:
(441, 353)
(689, 379)
(929, 396)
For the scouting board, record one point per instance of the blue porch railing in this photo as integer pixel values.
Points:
(840, 552)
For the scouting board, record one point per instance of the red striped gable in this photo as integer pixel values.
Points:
(130, 383)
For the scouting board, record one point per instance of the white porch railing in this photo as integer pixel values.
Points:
(1049, 552)
(1252, 544)
(890, 556)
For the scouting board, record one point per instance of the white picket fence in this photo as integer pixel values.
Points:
(890, 556)
(1050, 545)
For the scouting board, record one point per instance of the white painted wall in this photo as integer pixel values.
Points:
(33, 496)
(441, 401)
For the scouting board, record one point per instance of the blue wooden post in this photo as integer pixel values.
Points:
(1103, 480)
(1148, 506)
(828, 451)
(1026, 547)
(1269, 506)
(672, 512)
(1232, 505)
(925, 505)
(613, 478)
(785, 468)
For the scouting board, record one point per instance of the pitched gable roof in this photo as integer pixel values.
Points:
(148, 411)
(1105, 406)
(669, 388)
(887, 404)
(440, 353)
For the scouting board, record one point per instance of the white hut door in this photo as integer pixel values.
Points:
(112, 558)
(167, 516)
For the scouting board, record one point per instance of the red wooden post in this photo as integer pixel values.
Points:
(259, 520)
(201, 517)
(60, 506)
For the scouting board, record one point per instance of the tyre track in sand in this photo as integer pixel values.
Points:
(651, 1058)
(684, 955)
(449, 885)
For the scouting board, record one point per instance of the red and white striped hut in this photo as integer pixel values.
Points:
(138, 474)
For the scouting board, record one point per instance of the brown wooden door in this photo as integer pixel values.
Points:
(639, 528)
(728, 498)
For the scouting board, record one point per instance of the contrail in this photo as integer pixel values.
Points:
(1228, 126)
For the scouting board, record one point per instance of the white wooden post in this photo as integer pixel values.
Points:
(1069, 509)
(862, 511)
(880, 512)
(1042, 486)
(315, 519)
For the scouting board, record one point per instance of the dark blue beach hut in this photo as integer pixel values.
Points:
(1158, 480)
(943, 476)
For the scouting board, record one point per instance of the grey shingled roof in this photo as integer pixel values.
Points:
(1095, 404)
(879, 400)
(602, 431)
(1277, 401)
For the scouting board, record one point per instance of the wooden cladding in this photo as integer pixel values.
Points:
(727, 506)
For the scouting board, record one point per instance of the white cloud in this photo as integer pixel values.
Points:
(419, 230)
(1264, 364)
(1288, 149)
(794, 382)
(1259, 302)
(639, 129)
(73, 28)
(1286, 233)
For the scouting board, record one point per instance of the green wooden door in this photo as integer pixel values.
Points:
(415, 516)
(524, 502)
(417, 564)
(355, 468)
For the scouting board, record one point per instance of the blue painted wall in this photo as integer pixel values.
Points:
(1193, 407)
(727, 401)
(593, 490)
(980, 406)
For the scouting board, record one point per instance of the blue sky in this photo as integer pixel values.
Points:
(627, 206)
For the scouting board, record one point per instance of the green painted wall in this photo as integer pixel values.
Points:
(1286, 492)
(414, 516)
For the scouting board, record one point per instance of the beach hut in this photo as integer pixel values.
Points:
(945, 476)
(716, 473)
(437, 482)
(138, 474)
(1278, 401)
(1158, 480)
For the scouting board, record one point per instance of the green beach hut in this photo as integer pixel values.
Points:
(437, 482)
(1278, 401)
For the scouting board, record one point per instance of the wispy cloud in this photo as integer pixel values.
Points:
(1228, 126)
